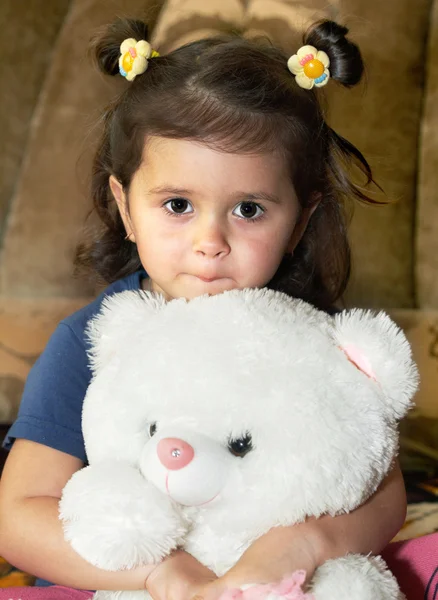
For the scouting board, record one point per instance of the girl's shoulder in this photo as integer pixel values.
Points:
(51, 405)
(77, 322)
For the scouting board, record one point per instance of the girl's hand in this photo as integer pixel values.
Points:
(178, 577)
(271, 558)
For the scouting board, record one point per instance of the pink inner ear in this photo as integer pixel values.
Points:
(359, 360)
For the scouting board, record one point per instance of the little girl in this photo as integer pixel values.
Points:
(216, 170)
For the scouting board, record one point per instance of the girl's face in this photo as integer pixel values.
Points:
(206, 221)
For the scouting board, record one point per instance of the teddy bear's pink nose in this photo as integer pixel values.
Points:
(174, 453)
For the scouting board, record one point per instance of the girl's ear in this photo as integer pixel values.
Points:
(122, 204)
(302, 222)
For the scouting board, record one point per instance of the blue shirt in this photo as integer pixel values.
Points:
(51, 407)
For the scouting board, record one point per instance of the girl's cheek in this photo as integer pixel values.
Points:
(262, 245)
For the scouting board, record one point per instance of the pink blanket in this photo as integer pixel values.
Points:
(54, 592)
(415, 565)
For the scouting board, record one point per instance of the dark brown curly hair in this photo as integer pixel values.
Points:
(235, 95)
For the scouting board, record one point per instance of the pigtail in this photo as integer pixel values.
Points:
(341, 155)
(346, 65)
(105, 45)
(110, 254)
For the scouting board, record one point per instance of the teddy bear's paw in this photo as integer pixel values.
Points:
(115, 519)
(126, 595)
(355, 577)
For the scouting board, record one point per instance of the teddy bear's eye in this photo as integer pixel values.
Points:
(152, 429)
(241, 446)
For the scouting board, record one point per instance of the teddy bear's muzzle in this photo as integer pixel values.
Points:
(191, 468)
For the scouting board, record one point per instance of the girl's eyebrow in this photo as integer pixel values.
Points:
(258, 196)
(166, 189)
(237, 196)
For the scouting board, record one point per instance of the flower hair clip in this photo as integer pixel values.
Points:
(310, 67)
(134, 57)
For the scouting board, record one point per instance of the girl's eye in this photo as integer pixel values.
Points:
(152, 429)
(240, 447)
(179, 206)
(248, 210)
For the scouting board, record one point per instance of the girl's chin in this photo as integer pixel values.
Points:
(190, 287)
(197, 287)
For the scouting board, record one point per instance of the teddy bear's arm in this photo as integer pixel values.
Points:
(115, 519)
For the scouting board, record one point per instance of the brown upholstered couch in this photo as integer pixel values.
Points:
(50, 98)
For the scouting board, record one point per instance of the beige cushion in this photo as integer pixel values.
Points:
(426, 265)
(284, 21)
(184, 21)
(421, 328)
(51, 200)
(384, 122)
(26, 43)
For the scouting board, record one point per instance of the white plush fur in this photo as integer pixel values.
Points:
(324, 433)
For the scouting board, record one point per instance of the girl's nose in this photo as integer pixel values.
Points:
(210, 240)
(174, 453)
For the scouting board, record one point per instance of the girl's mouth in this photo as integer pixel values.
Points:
(208, 279)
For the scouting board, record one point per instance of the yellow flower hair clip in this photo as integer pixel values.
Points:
(134, 58)
(310, 67)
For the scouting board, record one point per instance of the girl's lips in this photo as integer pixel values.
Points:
(207, 279)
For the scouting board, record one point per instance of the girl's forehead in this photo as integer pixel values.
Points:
(168, 160)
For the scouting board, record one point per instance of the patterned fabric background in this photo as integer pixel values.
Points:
(419, 462)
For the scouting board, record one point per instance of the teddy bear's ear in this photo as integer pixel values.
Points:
(375, 345)
(120, 318)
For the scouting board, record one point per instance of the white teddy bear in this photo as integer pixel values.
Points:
(211, 421)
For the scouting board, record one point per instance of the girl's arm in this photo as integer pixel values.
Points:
(31, 535)
(307, 545)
